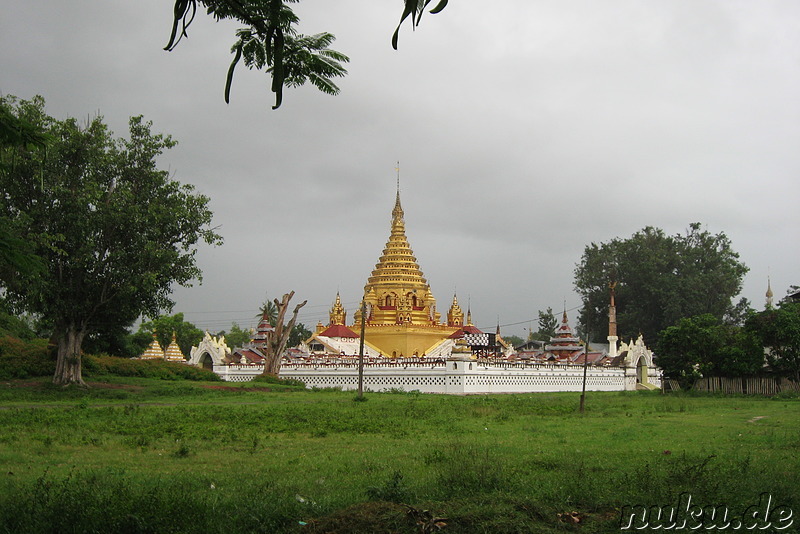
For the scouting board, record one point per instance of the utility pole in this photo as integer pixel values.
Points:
(361, 349)
(585, 369)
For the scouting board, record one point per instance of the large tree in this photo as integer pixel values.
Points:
(659, 279)
(703, 345)
(778, 330)
(270, 41)
(114, 231)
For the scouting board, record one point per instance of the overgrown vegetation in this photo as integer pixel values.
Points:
(148, 456)
(27, 359)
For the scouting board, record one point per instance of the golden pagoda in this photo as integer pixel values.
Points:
(401, 316)
(173, 352)
(154, 351)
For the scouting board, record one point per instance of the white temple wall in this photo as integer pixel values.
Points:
(454, 377)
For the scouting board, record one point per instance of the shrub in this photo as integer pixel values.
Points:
(270, 379)
(24, 359)
(103, 364)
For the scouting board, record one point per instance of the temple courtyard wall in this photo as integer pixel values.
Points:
(456, 377)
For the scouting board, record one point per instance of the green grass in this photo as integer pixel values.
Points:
(142, 455)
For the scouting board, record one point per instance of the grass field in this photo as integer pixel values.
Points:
(138, 455)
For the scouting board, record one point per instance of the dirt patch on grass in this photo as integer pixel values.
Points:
(93, 385)
(19, 384)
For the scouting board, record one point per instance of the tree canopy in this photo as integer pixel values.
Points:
(114, 231)
(778, 330)
(703, 346)
(270, 41)
(236, 336)
(659, 280)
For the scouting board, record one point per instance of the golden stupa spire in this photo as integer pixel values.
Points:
(397, 291)
(397, 267)
(397, 212)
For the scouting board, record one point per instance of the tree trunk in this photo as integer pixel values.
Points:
(68, 363)
(276, 340)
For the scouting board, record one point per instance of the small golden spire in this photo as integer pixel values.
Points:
(769, 294)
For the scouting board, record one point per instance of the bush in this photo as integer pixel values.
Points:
(269, 379)
(24, 359)
(27, 359)
(103, 364)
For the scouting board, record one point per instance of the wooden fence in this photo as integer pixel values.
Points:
(748, 386)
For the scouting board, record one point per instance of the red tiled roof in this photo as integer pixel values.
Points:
(249, 354)
(339, 330)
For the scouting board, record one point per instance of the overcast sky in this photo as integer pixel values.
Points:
(524, 132)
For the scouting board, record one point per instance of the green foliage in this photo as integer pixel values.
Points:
(16, 254)
(547, 326)
(114, 232)
(274, 380)
(270, 41)
(269, 310)
(15, 326)
(299, 334)
(704, 346)
(114, 339)
(24, 358)
(660, 279)
(33, 358)
(237, 337)
(778, 331)
(104, 365)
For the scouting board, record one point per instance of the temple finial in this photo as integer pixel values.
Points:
(769, 294)
(397, 168)
(397, 212)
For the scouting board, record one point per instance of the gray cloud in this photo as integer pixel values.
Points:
(524, 133)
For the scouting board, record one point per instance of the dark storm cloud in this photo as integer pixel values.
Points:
(523, 133)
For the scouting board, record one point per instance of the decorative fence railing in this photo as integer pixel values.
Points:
(749, 386)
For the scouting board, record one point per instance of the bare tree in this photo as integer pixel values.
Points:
(276, 340)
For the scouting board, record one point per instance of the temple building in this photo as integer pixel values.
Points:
(401, 319)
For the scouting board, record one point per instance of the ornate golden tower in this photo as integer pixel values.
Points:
(401, 311)
(455, 316)
(338, 315)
